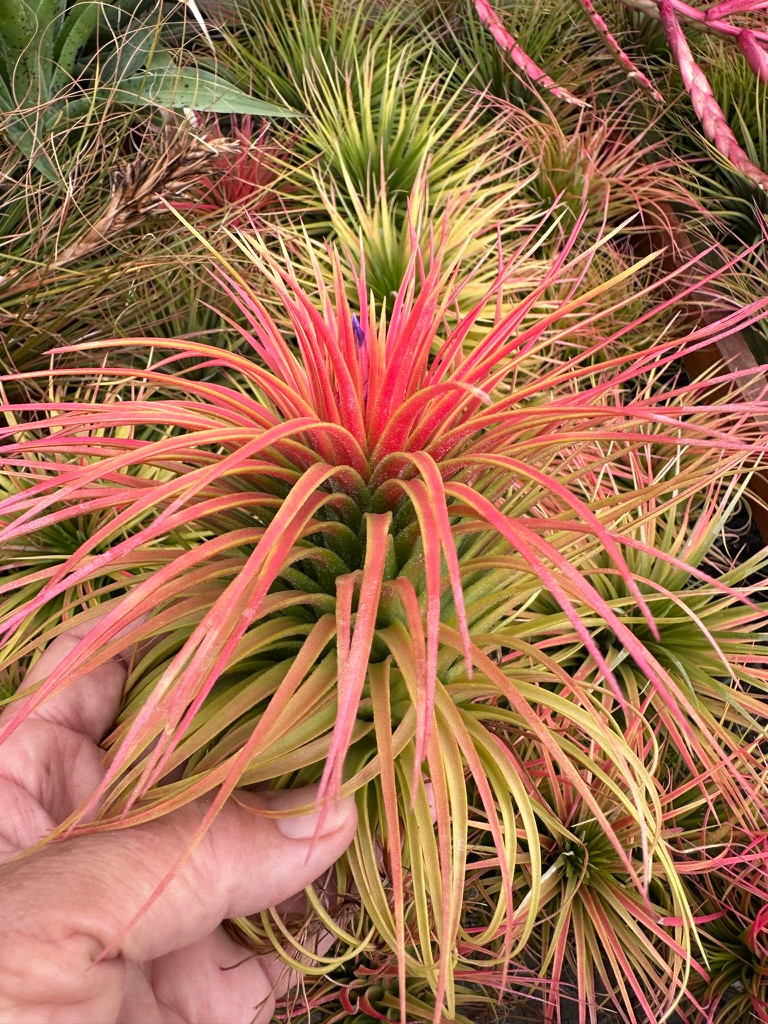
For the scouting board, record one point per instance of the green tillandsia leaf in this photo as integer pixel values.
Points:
(27, 138)
(191, 88)
(77, 29)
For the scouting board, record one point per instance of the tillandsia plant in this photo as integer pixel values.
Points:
(50, 79)
(389, 144)
(733, 907)
(374, 560)
(248, 183)
(741, 23)
(619, 167)
(384, 119)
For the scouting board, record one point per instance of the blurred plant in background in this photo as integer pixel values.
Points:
(728, 20)
(58, 61)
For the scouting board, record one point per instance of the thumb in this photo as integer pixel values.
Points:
(68, 903)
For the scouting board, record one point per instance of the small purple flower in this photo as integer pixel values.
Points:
(358, 331)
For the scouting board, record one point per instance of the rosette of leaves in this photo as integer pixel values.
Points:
(383, 119)
(619, 167)
(339, 544)
(377, 108)
(58, 58)
(732, 900)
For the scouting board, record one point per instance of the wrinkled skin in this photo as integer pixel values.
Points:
(74, 947)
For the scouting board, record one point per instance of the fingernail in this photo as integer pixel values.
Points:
(305, 826)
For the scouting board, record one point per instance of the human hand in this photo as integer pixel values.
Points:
(63, 905)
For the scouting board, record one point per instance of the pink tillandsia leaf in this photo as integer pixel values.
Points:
(526, 64)
(429, 500)
(691, 15)
(617, 51)
(354, 665)
(419, 496)
(709, 111)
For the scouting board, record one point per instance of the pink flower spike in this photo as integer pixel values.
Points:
(619, 54)
(520, 58)
(754, 54)
(709, 112)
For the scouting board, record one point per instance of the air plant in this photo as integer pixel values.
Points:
(375, 120)
(600, 941)
(732, 900)
(729, 20)
(372, 559)
(620, 168)
(387, 150)
(273, 45)
(375, 107)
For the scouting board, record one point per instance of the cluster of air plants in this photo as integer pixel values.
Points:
(470, 594)
(371, 419)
